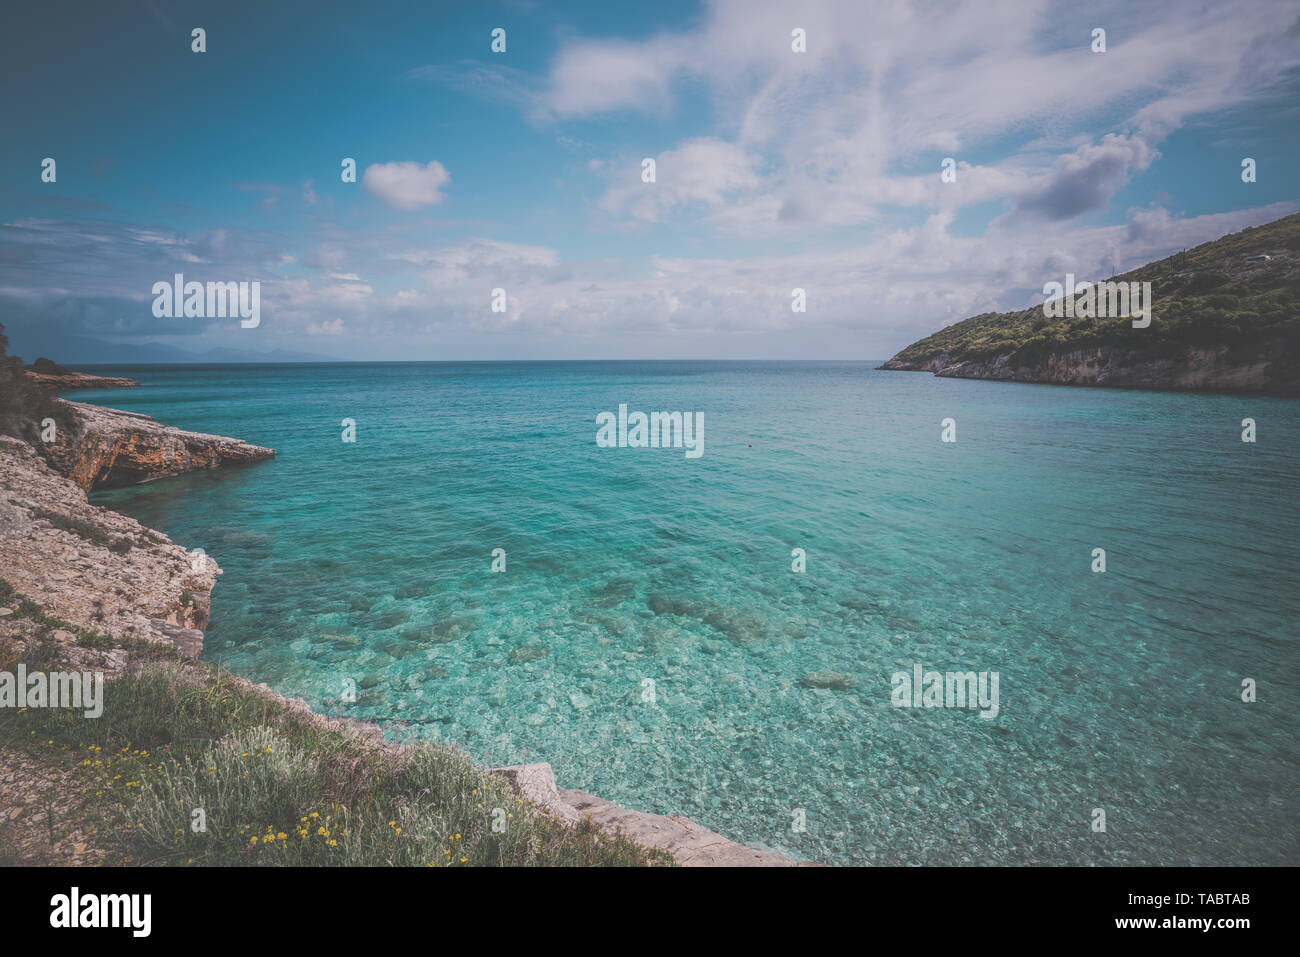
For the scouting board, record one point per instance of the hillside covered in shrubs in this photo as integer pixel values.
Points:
(1224, 317)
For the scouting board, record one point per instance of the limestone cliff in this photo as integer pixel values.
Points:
(99, 447)
(101, 570)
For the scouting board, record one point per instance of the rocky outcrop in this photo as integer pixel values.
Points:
(536, 782)
(99, 447)
(51, 375)
(1209, 369)
(80, 380)
(690, 844)
(101, 570)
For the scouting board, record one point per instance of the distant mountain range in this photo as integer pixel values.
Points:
(1224, 317)
(85, 350)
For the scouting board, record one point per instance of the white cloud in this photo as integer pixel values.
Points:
(1086, 179)
(838, 133)
(703, 172)
(865, 299)
(792, 153)
(406, 185)
(886, 292)
(595, 76)
(330, 327)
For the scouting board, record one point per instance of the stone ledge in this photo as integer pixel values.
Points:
(690, 844)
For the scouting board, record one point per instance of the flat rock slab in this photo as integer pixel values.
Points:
(188, 640)
(690, 844)
(65, 380)
(536, 782)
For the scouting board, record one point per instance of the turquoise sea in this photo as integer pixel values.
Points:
(371, 562)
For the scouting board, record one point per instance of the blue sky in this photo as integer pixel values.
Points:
(521, 170)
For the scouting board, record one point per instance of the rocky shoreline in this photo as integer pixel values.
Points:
(1219, 317)
(109, 448)
(48, 375)
(105, 574)
(93, 567)
(1193, 369)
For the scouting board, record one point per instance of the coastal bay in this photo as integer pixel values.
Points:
(772, 687)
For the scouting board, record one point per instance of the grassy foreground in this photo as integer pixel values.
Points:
(188, 766)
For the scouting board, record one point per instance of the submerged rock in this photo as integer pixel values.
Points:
(834, 680)
(527, 653)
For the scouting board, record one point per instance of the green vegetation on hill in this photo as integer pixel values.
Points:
(48, 367)
(23, 404)
(1206, 296)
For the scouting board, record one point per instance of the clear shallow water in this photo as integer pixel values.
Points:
(1119, 690)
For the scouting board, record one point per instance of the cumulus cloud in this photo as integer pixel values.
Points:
(1086, 179)
(331, 327)
(703, 172)
(838, 133)
(596, 76)
(406, 185)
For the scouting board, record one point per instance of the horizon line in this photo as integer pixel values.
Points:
(331, 362)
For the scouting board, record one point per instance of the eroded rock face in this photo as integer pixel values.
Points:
(101, 570)
(106, 448)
